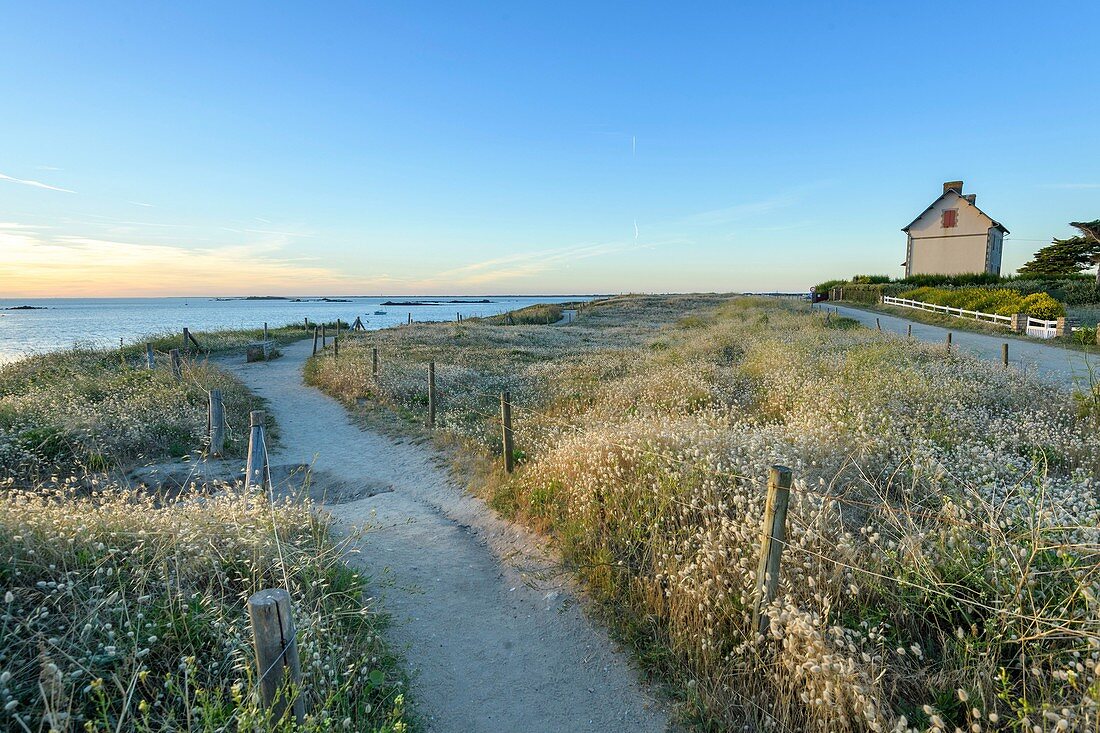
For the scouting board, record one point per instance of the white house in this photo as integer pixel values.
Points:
(953, 236)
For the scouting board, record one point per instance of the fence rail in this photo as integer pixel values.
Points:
(958, 312)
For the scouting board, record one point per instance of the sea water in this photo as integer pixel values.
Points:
(62, 323)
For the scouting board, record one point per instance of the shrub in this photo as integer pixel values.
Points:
(1042, 305)
(870, 279)
(1000, 301)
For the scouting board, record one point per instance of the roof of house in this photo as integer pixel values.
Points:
(996, 223)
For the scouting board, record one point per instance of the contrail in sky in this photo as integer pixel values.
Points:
(633, 146)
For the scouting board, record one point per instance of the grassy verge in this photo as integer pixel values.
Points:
(223, 342)
(85, 412)
(966, 324)
(543, 314)
(124, 613)
(940, 567)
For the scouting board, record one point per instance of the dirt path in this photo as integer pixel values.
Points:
(1053, 363)
(491, 632)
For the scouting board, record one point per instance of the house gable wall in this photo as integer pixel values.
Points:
(963, 248)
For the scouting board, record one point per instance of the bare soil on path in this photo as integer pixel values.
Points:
(494, 637)
(1067, 367)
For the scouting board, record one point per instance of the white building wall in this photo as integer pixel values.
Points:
(955, 250)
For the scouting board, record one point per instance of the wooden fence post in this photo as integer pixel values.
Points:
(189, 338)
(506, 425)
(307, 323)
(177, 368)
(431, 394)
(374, 361)
(216, 423)
(278, 669)
(1004, 355)
(410, 319)
(335, 346)
(878, 324)
(324, 336)
(773, 535)
(150, 358)
(909, 331)
(949, 334)
(257, 453)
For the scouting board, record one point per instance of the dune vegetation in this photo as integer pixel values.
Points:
(84, 412)
(940, 566)
(122, 608)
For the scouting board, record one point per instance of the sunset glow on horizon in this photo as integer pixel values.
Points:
(246, 149)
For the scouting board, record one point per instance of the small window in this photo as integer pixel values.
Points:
(950, 218)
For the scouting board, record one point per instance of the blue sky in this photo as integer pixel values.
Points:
(463, 148)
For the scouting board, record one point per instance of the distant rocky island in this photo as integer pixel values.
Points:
(283, 297)
(433, 302)
(26, 308)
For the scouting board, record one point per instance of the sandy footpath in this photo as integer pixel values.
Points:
(491, 632)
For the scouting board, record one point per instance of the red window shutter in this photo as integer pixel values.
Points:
(950, 217)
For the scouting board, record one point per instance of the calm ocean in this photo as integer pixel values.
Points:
(100, 322)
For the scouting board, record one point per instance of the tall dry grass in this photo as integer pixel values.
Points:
(86, 411)
(121, 612)
(940, 571)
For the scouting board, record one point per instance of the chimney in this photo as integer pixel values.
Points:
(957, 185)
(971, 197)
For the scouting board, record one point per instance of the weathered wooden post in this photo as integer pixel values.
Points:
(506, 425)
(188, 339)
(278, 668)
(257, 452)
(177, 368)
(410, 319)
(150, 357)
(949, 334)
(909, 331)
(307, 323)
(265, 340)
(216, 423)
(336, 347)
(431, 394)
(1004, 355)
(773, 535)
(878, 324)
(374, 361)
(324, 336)
(316, 333)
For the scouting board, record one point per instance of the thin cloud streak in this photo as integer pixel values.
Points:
(35, 184)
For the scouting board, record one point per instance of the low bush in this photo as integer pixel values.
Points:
(999, 301)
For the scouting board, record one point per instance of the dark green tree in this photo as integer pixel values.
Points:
(1067, 256)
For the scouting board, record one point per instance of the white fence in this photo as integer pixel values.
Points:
(957, 312)
(1036, 327)
(1041, 329)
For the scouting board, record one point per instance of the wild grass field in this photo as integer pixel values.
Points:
(82, 412)
(940, 566)
(122, 609)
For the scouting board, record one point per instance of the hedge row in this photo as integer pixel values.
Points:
(1000, 301)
